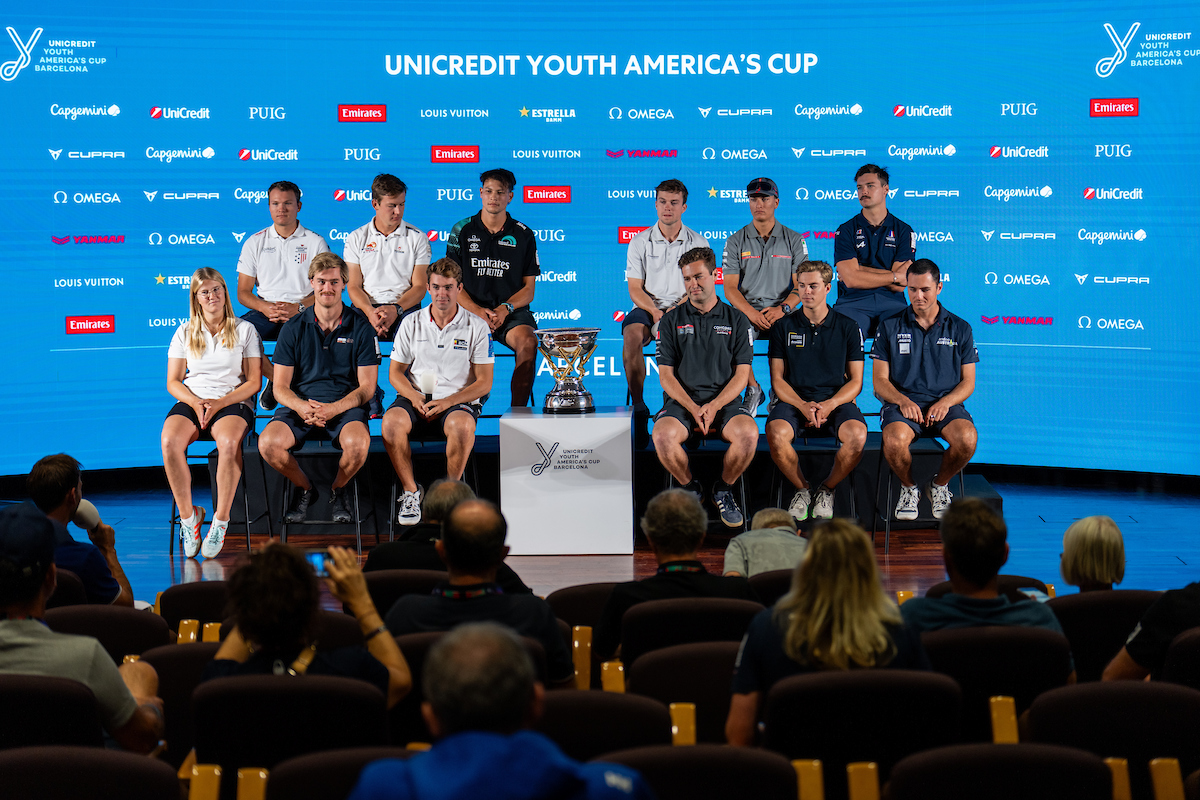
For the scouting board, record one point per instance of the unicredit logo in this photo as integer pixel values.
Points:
(1114, 107)
(269, 155)
(362, 113)
(179, 112)
(451, 154)
(547, 194)
(1021, 151)
(625, 233)
(1112, 194)
(922, 111)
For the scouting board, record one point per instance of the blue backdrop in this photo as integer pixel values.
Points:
(1045, 156)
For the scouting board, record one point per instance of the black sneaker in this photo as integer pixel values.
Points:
(267, 398)
(300, 503)
(338, 511)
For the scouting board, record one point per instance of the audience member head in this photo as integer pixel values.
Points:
(773, 518)
(472, 540)
(1093, 555)
(675, 524)
(443, 496)
(274, 599)
(479, 677)
(27, 544)
(54, 484)
(974, 545)
(835, 613)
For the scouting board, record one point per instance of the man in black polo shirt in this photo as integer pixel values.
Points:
(872, 253)
(816, 373)
(675, 524)
(924, 371)
(326, 369)
(499, 260)
(472, 545)
(1145, 652)
(705, 348)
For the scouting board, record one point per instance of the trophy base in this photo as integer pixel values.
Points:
(574, 403)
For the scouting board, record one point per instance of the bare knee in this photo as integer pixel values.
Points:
(853, 436)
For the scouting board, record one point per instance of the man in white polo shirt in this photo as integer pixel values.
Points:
(456, 347)
(387, 258)
(276, 260)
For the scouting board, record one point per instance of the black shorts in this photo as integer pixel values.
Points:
(237, 409)
(639, 316)
(869, 309)
(390, 333)
(333, 427)
(891, 413)
(430, 429)
(673, 409)
(519, 316)
(846, 412)
(267, 331)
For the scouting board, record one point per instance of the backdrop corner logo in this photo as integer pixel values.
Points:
(1106, 65)
(9, 70)
(540, 467)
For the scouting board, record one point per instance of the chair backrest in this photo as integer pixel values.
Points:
(40, 711)
(334, 629)
(1017, 662)
(203, 600)
(710, 770)
(319, 776)
(662, 623)
(72, 773)
(991, 772)
(580, 605)
(1097, 625)
(179, 667)
(1134, 720)
(1009, 585)
(585, 724)
(68, 592)
(1183, 659)
(699, 673)
(386, 586)
(121, 630)
(770, 586)
(879, 715)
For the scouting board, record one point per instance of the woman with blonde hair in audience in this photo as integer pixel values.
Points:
(835, 617)
(213, 369)
(1093, 556)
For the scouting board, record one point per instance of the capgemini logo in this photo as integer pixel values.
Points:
(1105, 66)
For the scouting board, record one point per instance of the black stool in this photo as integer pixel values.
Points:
(318, 444)
(429, 447)
(695, 444)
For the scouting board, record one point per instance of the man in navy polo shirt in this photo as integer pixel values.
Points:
(816, 373)
(326, 368)
(872, 253)
(705, 348)
(924, 371)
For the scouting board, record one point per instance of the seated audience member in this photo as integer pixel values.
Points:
(675, 524)
(1145, 652)
(974, 548)
(1093, 556)
(771, 543)
(836, 617)
(481, 694)
(55, 486)
(472, 545)
(275, 603)
(416, 548)
(125, 695)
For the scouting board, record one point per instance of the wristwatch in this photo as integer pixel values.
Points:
(509, 306)
(786, 309)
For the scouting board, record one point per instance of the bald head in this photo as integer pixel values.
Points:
(473, 536)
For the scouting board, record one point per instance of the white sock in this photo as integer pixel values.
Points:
(188, 520)
(220, 523)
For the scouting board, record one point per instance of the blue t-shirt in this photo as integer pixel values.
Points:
(86, 561)
(326, 364)
(959, 611)
(877, 247)
(925, 365)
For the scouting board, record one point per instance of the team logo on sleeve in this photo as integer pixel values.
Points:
(795, 339)
(301, 253)
(491, 347)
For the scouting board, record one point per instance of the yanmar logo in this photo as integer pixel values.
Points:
(358, 112)
(454, 154)
(1114, 107)
(110, 239)
(818, 234)
(625, 233)
(922, 111)
(547, 194)
(642, 153)
(1017, 320)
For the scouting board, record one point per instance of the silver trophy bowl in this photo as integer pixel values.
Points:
(574, 346)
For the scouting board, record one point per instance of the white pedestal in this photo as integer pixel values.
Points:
(566, 482)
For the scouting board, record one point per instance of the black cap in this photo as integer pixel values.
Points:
(26, 538)
(762, 186)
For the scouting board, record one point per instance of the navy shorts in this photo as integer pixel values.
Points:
(333, 427)
(237, 409)
(673, 409)
(846, 412)
(267, 331)
(639, 316)
(390, 333)
(891, 413)
(867, 311)
(430, 429)
(519, 316)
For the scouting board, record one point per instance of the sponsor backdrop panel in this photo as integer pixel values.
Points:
(1043, 160)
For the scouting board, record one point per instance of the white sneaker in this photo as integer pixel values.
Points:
(189, 535)
(940, 498)
(215, 539)
(906, 506)
(754, 396)
(823, 507)
(410, 507)
(799, 505)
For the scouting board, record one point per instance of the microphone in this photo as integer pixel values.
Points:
(427, 382)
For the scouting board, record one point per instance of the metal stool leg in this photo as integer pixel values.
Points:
(887, 525)
(357, 517)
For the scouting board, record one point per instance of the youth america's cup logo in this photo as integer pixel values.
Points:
(538, 469)
(11, 69)
(1106, 65)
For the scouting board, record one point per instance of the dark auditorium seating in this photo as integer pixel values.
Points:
(68, 592)
(36, 710)
(662, 623)
(386, 586)
(204, 601)
(179, 667)
(770, 586)
(582, 605)
(121, 630)
(334, 629)
(710, 771)
(1097, 625)
(330, 774)
(78, 773)
(1183, 659)
(586, 724)
(698, 673)
(1001, 772)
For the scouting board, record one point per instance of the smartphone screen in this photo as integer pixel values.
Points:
(317, 558)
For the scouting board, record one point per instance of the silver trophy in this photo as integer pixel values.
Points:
(574, 346)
